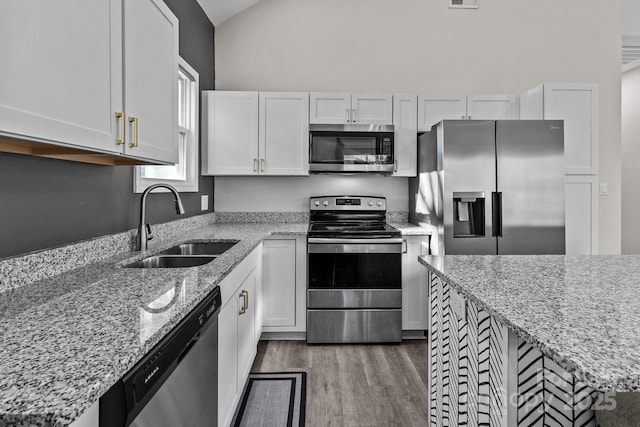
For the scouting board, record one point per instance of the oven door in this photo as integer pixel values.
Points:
(354, 273)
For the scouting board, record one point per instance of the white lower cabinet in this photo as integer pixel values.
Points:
(284, 284)
(581, 214)
(237, 324)
(415, 304)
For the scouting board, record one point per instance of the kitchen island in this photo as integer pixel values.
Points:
(528, 340)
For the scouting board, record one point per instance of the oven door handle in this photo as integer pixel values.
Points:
(354, 248)
(325, 240)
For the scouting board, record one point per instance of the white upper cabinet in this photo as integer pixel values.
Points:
(284, 133)
(405, 122)
(230, 133)
(65, 85)
(341, 108)
(61, 78)
(577, 105)
(492, 107)
(251, 133)
(331, 108)
(151, 80)
(434, 107)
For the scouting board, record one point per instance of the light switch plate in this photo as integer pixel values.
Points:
(204, 202)
(458, 305)
(604, 189)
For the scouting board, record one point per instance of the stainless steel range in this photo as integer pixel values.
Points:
(354, 272)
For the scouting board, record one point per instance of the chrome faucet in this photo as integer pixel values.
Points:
(144, 229)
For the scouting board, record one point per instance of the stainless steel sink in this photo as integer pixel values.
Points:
(200, 248)
(172, 261)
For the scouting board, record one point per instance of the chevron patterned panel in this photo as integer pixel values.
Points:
(549, 396)
(446, 355)
(454, 360)
(484, 344)
(463, 374)
(472, 373)
(530, 386)
(498, 359)
(436, 351)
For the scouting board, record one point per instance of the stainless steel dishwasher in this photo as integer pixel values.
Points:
(176, 383)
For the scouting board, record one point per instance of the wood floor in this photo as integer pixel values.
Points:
(355, 385)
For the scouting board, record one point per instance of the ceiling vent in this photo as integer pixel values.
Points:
(463, 4)
(630, 49)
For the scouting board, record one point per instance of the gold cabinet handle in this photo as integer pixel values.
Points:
(245, 302)
(353, 114)
(395, 169)
(262, 162)
(255, 165)
(120, 116)
(134, 120)
(469, 117)
(464, 117)
(347, 115)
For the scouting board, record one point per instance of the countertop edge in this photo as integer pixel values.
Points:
(570, 366)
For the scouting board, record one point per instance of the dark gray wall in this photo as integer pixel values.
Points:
(46, 203)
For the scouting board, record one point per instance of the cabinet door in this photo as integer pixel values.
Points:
(151, 80)
(279, 282)
(415, 298)
(61, 71)
(577, 105)
(231, 132)
(581, 214)
(246, 326)
(433, 108)
(492, 107)
(329, 107)
(405, 121)
(227, 361)
(372, 108)
(284, 133)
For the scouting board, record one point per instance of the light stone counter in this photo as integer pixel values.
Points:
(68, 338)
(559, 334)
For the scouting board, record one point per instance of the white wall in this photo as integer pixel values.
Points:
(277, 194)
(505, 46)
(631, 18)
(630, 161)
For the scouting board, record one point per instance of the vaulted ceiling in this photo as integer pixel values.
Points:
(219, 11)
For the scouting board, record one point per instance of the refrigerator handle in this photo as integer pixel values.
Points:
(496, 214)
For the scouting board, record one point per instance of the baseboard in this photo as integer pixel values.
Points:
(414, 335)
(286, 336)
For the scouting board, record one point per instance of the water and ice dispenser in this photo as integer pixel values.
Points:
(468, 214)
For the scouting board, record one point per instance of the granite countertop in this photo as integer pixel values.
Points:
(68, 338)
(581, 311)
(409, 229)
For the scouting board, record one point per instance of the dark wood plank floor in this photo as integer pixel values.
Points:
(355, 385)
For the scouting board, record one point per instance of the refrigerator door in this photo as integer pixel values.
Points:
(468, 165)
(530, 159)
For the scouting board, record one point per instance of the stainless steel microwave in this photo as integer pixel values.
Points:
(351, 148)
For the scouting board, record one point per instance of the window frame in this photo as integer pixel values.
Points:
(192, 139)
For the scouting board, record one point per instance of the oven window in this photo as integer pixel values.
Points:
(354, 271)
(347, 149)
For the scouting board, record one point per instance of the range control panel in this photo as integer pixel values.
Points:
(351, 203)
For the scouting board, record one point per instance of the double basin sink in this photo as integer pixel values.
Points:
(190, 254)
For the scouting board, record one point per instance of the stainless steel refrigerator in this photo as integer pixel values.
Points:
(491, 187)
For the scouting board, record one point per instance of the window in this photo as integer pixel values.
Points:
(184, 175)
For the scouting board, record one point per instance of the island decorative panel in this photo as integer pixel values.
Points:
(482, 374)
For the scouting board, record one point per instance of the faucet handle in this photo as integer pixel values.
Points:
(149, 235)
